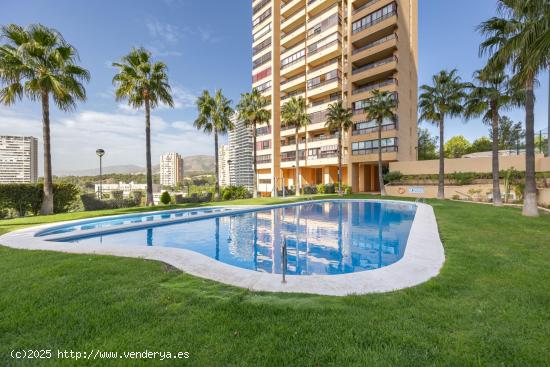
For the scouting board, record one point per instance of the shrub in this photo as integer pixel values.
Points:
(461, 178)
(392, 176)
(330, 189)
(28, 197)
(321, 188)
(138, 196)
(235, 192)
(91, 202)
(165, 198)
(309, 190)
(346, 189)
(117, 195)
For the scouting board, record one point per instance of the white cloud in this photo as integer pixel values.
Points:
(75, 137)
(163, 31)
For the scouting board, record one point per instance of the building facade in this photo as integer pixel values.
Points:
(126, 188)
(171, 169)
(223, 165)
(329, 50)
(18, 159)
(241, 158)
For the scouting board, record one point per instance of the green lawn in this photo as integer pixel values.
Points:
(489, 306)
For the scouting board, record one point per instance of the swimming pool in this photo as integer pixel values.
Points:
(322, 238)
(335, 247)
(103, 223)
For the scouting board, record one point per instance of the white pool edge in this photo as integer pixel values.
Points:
(423, 258)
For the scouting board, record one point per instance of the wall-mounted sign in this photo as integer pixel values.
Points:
(416, 190)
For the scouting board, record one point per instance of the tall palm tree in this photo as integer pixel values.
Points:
(437, 102)
(339, 120)
(381, 106)
(143, 84)
(214, 117)
(251, 109)
(294, 113)
(38, 63)
(520, 38)
(490, 94)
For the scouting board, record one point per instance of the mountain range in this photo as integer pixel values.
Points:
(194, 163)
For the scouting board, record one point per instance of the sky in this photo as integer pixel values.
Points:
(206, 45)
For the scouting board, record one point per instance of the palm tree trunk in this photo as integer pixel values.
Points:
(47, 201)
(380, 176)
(497, 198)
(149, 201)
(297, 172)
(530, 194)
(217, 169)
(340, 162)
(441, 184)
(548, 131)
(255, 184)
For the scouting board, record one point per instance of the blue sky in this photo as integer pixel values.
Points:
(207, 45)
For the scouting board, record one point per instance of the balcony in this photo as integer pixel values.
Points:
(374, 129)
(386, 149)
(325, 52)
(385, 22)
(293, 36)
(259, 6)
(374, 69)
(364, 6)
(294, 67)
(324, 88)
(290, 7)
(372, 86)
(294, 83)
(382, 45)
(296, 93)
(315, 7)
(292, 21)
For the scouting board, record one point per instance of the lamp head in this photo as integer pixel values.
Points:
(100, 152)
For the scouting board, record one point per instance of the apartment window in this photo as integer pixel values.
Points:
(261, 60)
(373, 18)
(264, 130)
(266, 158)
(324, 43)
(262, 32)
(263, 87)
(365, 127)
(291, 156)
(359, 106)
(261, 46)
(371, 146)
(261, 75)
(266, 14)
(263, 145)
(264, 181)
(324, 25)
(323, 79)
(317, 117)
(287, 61)
(259, 7)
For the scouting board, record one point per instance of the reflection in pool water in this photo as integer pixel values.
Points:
(332, 237)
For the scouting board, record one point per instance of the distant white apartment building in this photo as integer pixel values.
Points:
(126, 188)
(171, 169)
(223, 165)
(18, 159)
(241, 167)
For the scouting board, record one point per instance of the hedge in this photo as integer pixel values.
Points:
(91, 202)
(235, 192)
(24, 198)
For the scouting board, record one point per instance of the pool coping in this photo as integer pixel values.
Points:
(423, 258)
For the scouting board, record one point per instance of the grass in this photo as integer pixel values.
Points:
(489, 306)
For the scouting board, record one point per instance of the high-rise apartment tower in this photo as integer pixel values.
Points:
(324, 51)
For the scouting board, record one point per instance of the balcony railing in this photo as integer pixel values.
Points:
(373, 129)
(387, 149)
(293, 79)
(374, 64)
(287, 127)
(324, 137)
(324, 47)
(326, 100)
(335, 60)
(259, 7)
(374, 22)
(364, 6)
(325, 82)
(293, 62)
(369, 87)
(290, 95)
(375, 43)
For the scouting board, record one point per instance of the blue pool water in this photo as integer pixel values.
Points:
(331, 237)
(128, 219)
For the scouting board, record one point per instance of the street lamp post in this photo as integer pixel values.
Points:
(100, 153)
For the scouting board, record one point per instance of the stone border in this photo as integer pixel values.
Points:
(422, 260)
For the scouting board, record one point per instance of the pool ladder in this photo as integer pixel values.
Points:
(284, 250)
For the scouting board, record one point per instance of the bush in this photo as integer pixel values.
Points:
(309, 190)
(461, 178)
(235, 192)
(165, 198)
(321, 188)
(28, 197)
(346, 189)
(138, 197)
(392, 176)
(91, 202)
(330, 189)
